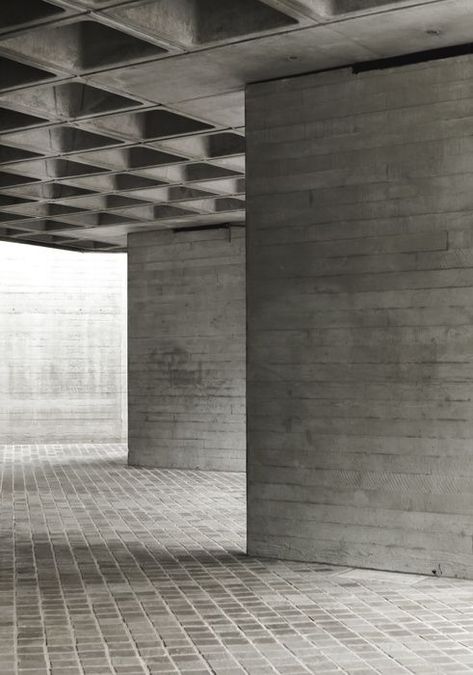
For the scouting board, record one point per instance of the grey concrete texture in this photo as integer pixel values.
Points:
(186, 358)
(63, 336)
(105, 98)
(360, 289)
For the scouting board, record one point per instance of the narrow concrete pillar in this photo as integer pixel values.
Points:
(186, 331)
(360, 318)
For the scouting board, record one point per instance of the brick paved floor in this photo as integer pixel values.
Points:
(109, 569)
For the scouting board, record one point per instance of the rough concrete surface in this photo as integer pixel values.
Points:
(187, 349)
(360, 333)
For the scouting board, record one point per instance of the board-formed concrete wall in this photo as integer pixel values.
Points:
(63, 346)
(360, 313)
(187, 349)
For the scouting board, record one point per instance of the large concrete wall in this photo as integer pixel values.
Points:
(187, 349)
(360, 292)
(63, 346)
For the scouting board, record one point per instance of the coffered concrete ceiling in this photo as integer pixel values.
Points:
(122, 116)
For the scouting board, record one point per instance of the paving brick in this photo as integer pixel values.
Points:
(183, 596)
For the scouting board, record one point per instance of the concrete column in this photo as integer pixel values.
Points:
(187, 349)
(360, 318)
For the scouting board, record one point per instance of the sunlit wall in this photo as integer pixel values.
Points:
(62, 345)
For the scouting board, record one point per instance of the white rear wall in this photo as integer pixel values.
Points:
(62, 345)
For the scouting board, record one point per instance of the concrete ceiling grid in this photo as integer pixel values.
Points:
(120, 116)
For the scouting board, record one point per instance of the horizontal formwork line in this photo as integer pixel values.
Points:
(316, 325)
(335, 155)
(398, 481)
(399, 551)
(314, 130)
(315, 336)
(432, 288)
(357, 379)
(357, 394)
(348, 434)
(381, 556)
(355, 533)
(440, 119)
(309, 210)
(349, 99)
(344, 267)
(314, 455)
(306, 192)
(275, 451)
(370, 299)
(369, 513)
(385, 419)
(359, 247)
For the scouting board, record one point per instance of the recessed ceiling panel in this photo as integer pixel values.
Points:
(127, 115)
(147, 125)
(7, 201)
(186, 173)
(121, 159)
(48, 191)
(20, 12)
(11, 120)
(97, 219)
(216, 205)
(206, 146)
(198, 22)
(91, 245)
(163, 211)
(335, 8)
(80, 46)
(47, 169)
(71, 100)
(46, 225)
(115, 182)
(10, 179)
(174, 193)
(8, 216)
(16, 74)
(43, 210)
(58, 140)
(8, 154)
(231, 186)
(206, 171)
(43, 239)
(100, 202)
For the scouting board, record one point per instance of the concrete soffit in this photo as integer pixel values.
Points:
(125, 116)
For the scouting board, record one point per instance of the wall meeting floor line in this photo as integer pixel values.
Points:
(106, 568)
